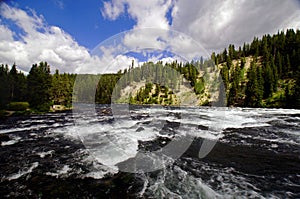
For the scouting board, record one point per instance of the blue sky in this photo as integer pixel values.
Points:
(88, 36)
(82, 19)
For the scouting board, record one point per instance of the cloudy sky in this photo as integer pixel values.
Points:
(102, 36)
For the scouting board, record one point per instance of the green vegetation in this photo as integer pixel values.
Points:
(37, 91)
(264, 73)
(153, 94)
(273, 78)
(18, 106)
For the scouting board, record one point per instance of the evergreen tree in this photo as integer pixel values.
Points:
(253, 93)
(39, 85)
(13, 82)
(260, 81)
(17, 85)
(4, 89)
(269, 81)
(232, 96)
(225, 76)
(278, 63)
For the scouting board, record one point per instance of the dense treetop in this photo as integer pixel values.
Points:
(264, 73)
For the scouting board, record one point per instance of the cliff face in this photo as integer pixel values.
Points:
(177, 90)
(242, 82)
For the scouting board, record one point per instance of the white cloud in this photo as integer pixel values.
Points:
(150, 17)
(197, 24)
(121, 62)
(5, 34)
(152, 29)
(213, 25)
(148, 14)
(42, 42)
(113, 9)
(22, 19)
(145, 38)
(219, 23)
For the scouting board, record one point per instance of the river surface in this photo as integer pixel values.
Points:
(206, 153)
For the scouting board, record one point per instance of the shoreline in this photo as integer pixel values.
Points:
(9, 113)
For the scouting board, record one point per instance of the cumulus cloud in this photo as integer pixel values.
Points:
(148, 14)
(187, 28)
(219, 23)
(37, 41)
(5, 34)
(151, 21)
(153, 28)
(112, 10)
(213, 25)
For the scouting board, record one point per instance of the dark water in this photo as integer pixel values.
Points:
(254, 153)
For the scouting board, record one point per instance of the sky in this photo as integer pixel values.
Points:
(104, 36)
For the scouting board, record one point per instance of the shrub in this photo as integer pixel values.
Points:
(199, 87)
(42, 108)
(18, 106)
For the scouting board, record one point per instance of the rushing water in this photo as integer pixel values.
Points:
(253, 153)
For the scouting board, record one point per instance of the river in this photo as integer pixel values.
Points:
(152, 152)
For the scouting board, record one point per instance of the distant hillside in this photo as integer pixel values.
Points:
(264, 73)
(167, 84)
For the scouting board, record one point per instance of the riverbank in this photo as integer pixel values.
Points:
(53, 109)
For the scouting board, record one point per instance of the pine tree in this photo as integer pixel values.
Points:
(253, 93)
(232, 96)
(269, 81)
(13, 82)
(225, 76)
(4, 89)
(39, 85)
(278, 63)
(260, 82)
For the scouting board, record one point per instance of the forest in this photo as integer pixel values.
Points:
(273, 78)
(264, 73)
(38, 90)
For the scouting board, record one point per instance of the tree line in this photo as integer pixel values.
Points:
(103, 88)
(273, 78)
(40, 88)
(264, 73)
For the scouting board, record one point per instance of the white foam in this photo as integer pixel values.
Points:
(13, 140)
(211, 135)
(35, 127)
(97, 171)
(101, 172)
(4, 131)
(183, 186)
(110, 143)
(44, 154)
(232, 184)
(23, 172)
(277, 140)
(113, 141)
(96, 174)
(145, 185)
(61, 172)
(116, 151)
